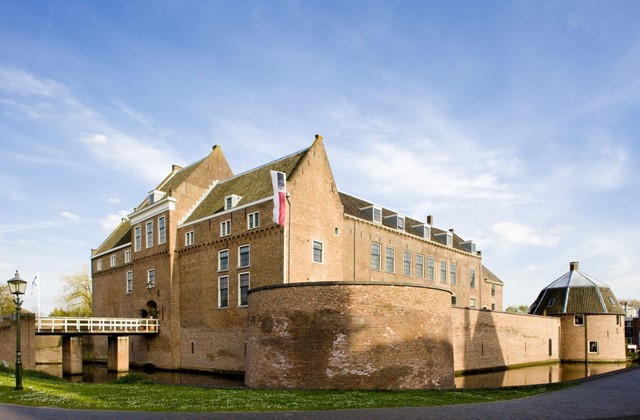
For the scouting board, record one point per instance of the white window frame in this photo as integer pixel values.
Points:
(313, 251)
(379, 255)
(225, 228)
(453, 273)
(253, 220)
(591, 347)
(472, 278)
(240, 248)
(246, 273)
(449, 239)
(443, 272)
(577, 317)
(407, 262)
(220, 306)
(220, 268)
(162, 230)
(129, 281)
(99, 265)
(137, 238)
(472, 302)
(189, 238)
(127, 256)
(112, 260)
(390, 257)
(376, 210)
(431, 269)
(419, 266)
(149, 234)
(493, 289)
(400, 222)
(151, 278)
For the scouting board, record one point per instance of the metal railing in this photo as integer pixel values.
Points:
(91, 325)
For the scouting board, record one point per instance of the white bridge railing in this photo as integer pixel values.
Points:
(91, 325)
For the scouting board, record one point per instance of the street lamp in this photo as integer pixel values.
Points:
(17, 287)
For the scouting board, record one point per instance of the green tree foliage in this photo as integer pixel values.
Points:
(76, 297)
(7, 306)
(520, 309)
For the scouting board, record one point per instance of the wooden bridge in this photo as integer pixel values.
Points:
(117, 331)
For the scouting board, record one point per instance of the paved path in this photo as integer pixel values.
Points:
(613, 395)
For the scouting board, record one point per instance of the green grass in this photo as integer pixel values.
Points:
(133, 394)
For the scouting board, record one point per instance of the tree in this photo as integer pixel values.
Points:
(520, 309)
(632, 303)
(7, 307)
(76, 298)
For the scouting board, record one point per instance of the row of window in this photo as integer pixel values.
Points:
(446, 276)
(137, 234)
(113, 260)
(472, 302)
(244, 283)
(253, 222)
(151, 280)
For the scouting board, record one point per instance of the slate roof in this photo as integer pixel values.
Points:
(120, 236)
(251, 186)
(576, 292)
(490, 277)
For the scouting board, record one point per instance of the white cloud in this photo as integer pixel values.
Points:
(69, 215)
(113, 200)
(111, 221)
(20, 82)
(95, 139)
(519, 233)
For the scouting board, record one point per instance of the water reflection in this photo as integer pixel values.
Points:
(534, 375)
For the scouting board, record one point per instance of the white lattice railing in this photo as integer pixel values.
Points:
(90, 325)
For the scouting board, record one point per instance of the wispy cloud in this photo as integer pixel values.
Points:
(522, 234)
(69, 215)
(111, 220)
(113, 200)
(18, 81)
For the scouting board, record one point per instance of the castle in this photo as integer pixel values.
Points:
(332, 292)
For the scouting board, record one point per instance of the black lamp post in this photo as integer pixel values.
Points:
(17, 287)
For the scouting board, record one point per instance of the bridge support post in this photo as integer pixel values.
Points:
(118, 353)
(72, 355)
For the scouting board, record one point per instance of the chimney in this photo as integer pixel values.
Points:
(430, 220)
(318, 137)
(175, 168)
(573, 266)
(451, 230)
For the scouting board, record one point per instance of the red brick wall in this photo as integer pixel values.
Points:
(602, 329)
(27, 340)
(349, 336)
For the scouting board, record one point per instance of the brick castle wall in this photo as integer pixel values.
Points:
(27, 340)
(601, 329)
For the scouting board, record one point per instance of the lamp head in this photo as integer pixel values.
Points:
(17, 286)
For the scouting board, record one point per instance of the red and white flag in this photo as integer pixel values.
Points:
(279, 181)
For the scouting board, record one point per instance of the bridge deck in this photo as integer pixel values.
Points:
(91, 325)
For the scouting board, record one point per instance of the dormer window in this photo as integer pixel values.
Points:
(377, 214)
(445, 238)
(401, 222)
(155, 196)
(470, 246)
(449, 239)
(231, 201)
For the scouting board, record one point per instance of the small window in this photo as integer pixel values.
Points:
(253, 220)
(377, 215)
(551, 302)
(443, 272)
(619, 320)
(419, 266)
(593, 346)
(244, 257)
(401, 222)
(493, 290)
(225, 228)
(243, 287)
(613, 302)
(336, 231)
(138, 238)
(149, 234)
(406, 263)
(390, 261)
(162, 232)
(550, 347)
(189, 238)
(449, 239)
(223, 260)
(129, 281)
(578, 319)
(472, 303)
(231, 201)
(317, 252)
(376, 250)
(99, 265)
(453, 273)
(112, 261)
(127, 256)
(151, 278)
(472, 278)
(223, 292)
(431, 269)
(493, 306)
(454, 300)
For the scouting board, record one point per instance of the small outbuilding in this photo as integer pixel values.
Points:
(592, 319)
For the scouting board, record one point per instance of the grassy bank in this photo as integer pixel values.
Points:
(131, 393)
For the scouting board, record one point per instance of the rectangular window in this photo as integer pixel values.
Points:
(454, 300)
(149, 234)
(377, 214)
(253, 220)
(472, 278)
(400, 222)
(129, 281)
(493, 306)
(317, 251)
(225, 228)
(443, 272)
(112, 261)
(243, 287)
(189, 238)
(419, 266)
(223, 260)
(138, 238)
(390, 261)
(493, 290)
(406, 263)
(151, 278)
(431, 268)
(162, 232)
(376, 250)
(99, 265)
(472, 303)
(244, 257)
(453, 273)
(127, 256)
(578, 319)
(223, 292)
(593, 346)
(551, 302)
(228, 203)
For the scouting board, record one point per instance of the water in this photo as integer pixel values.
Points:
(531, 375)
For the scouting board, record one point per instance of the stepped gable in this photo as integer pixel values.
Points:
(250, 186)
(120, 236)
(576, 292)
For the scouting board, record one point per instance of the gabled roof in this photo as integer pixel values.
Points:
(120, 236)
(251, 186)
(489, 277)
(353, 207)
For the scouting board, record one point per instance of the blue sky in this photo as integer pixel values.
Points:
(515, 123)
